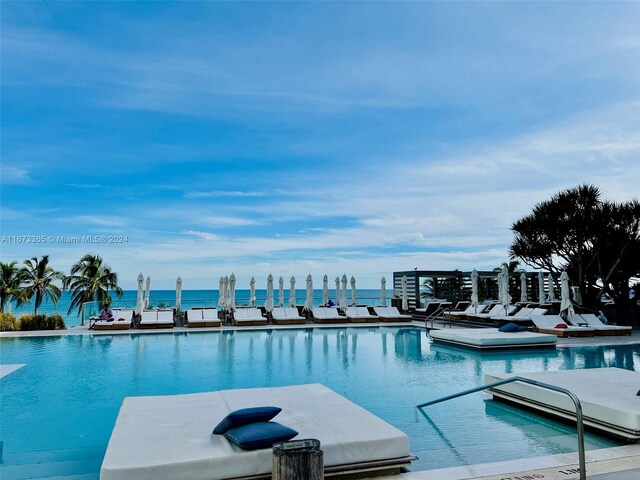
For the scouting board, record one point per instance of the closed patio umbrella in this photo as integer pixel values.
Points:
(552, 294)
(178, 292)
(292, 292)
(147, 292)
(221, 293)
(337, 290)
(325, 290)
(541, 295)
(566, 307)
(140, 297)
(354, 293)
(281, 292)
(474, 290)
(405, 296)
(232, 292)
(523, 288)
(252, 292)
(268, 305)
(308, 303)
(505, 298)
(343, 292)
(383, 292)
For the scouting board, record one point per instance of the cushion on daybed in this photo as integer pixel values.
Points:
(561, 325)
(246, 416)
(509, 327)
(259, 435)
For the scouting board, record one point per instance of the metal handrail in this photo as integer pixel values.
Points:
(571, 395)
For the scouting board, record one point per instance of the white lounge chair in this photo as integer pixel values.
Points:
(497, 309)
(549, 324)
(601, 329)
(327, 315)
(202, 317)
(360, 315)
(522, 315)
(391, 314)
(210, 317)
(122, 319)
(194, 318)
(149, 319)
(287, 316)
(470, 310)
(165, 319)
(248, 317)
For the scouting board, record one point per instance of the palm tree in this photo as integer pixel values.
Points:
(512, 267)
(10, 281)
(91, 280)
(38, 279)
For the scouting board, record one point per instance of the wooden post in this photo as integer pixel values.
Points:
(298, 460)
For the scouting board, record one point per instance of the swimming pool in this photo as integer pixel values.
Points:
(58, 411)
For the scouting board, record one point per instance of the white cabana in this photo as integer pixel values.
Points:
(308, 303)
(147, 292)
(523, 288)
(252, 292)
(268, 304)
(541, 295)
(505, 298)
(325, 290)
(474, 290)
(405, 296)
(178, 293)
(292, 292)
(343, 292)
(383, 292)
(281, 291)
(354, 293)
(232, 292)
(140, 297)
(566, 307)
(552, 294)
(337, 290)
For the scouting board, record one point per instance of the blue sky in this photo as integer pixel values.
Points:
(290, 138)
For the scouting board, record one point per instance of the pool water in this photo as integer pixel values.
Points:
(58, 411)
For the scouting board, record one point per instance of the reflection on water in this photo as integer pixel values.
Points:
(68, 396)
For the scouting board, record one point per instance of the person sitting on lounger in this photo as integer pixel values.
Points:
(106, 314)
(330, 303)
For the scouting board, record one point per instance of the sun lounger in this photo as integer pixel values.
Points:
(169, 437)
(165, 319)
(360, 315)
(548, 324)
(287, 316)
(248, 317)
(497, 309)
(391, 314)
(157, 319)
(122, 319)
(210, 317)
(470, 310)
(521, 316)
(194, 318)
(601, 329)
(429, 308)
(327, 315)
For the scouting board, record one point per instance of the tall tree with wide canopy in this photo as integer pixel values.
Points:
(91, 280)
(597, 242)
(39, 282)
(10, 284)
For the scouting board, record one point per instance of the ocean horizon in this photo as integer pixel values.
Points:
(194, 298)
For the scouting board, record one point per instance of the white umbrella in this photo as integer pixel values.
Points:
(523, 288)
(268, 305)
(147, 291)
(541, 295)
(221, 293)
(552, 294)
(343, 292)
(252, 292)
(292, 292)
(337, 290)
(281, 292)
(383, 292)
(354, 295)
(566, 306)
(474, 289)
(308, 303)
(499, 280)
(505, 298)
(405, 297)
(325, 290)
(232, 292)
(140, 297)
(178, 292)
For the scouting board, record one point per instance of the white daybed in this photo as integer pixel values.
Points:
(492, 339)
(248, 316)
(391, 314)
(360, 314)
(548, 324)
(122, 319)
(287, 316)
(327, 315)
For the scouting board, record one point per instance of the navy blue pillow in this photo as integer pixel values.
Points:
(246, 416)
(523, 329)
(259, 435)
(509, 327)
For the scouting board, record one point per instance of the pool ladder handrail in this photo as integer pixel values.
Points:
(570, 394)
